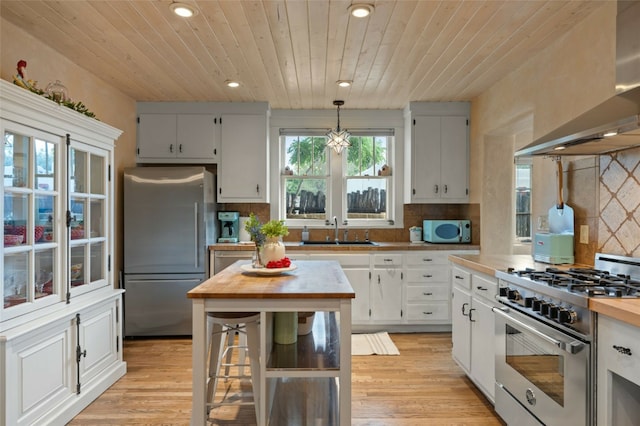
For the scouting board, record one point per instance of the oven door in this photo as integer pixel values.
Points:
(545, 370)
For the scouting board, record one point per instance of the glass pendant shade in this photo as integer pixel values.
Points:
(338, 138)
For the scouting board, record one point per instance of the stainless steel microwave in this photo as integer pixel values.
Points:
(447, 231)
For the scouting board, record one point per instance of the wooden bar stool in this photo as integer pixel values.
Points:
(222, 329)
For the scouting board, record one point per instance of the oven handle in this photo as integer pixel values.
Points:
(572, 347)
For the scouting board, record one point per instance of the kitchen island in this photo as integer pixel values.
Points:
(314, 286)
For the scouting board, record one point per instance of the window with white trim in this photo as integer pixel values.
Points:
(318, 184)
(523, 200)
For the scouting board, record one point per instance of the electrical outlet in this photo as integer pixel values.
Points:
(584, 234)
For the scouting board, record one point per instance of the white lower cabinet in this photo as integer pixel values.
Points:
(427, 288)
(54, 368)
(386, 288)
(618, 360)
(473, 332)
(357, 269)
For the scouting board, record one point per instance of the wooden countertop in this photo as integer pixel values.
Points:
(627, 310)
(380, 246)
(311, 280)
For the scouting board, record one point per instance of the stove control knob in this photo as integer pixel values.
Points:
(553, 311)
(529, 302)
(567, 316)
(537, 305)
(544, 308)
(514, 295)
(504, 291)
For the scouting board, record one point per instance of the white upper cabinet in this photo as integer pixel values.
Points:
(437, 152)
(176, 138)
(243, 167)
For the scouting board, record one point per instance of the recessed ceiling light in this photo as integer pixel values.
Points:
(183, 10)
(344, 83)
(231, 83)
(360, 10)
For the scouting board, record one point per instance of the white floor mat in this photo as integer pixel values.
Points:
(373, 344)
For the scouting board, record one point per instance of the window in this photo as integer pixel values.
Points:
(523, 200)
(318, 184)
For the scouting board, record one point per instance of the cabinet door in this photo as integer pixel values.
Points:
(359, 279)
(90, 218)
(197, 137)
(454, 170)
(483, 346)
(461, 327)
(426, 158)
(38, 374)
(33, 213)
(386, 295)
(157, 136)
(242, 171)
(97, 340)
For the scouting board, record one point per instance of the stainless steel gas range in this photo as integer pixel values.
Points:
(546, 343)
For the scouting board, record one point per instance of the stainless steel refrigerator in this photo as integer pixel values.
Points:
(169, 220)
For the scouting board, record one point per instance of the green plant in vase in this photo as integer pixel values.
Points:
(268, 239)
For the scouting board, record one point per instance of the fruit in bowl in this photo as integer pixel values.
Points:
(285, 262)
(12, 240)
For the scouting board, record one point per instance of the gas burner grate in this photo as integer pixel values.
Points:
(592, 282)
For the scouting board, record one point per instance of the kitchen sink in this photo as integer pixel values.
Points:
(338, 243)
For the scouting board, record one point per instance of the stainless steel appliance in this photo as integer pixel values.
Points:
(447, 231)
(224, 258)
(169, 220)
(545, 339)
(615, 123)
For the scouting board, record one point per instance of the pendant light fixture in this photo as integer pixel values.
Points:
(338, 138)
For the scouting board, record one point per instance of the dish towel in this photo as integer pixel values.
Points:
(370, 344)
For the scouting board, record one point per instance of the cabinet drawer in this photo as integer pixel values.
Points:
(461, 277)
(486, 287)
(437, 274)
(437, 311)
(394, 260)
(427, 293)
(427, 258)
(614, 339)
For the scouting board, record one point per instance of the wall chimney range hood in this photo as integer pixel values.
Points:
(613, 125)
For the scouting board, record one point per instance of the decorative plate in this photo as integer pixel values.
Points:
(267, 271)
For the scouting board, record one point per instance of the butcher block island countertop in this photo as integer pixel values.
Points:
(627, 310)
(319, 364)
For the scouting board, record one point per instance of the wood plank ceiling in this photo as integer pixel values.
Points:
(291, 52)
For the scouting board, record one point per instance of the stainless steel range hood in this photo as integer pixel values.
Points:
(613, 125)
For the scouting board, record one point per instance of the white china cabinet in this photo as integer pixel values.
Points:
(437, 152)
(60, 326)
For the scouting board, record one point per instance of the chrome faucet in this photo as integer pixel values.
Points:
(335, 221)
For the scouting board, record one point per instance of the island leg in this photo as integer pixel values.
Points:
(199, 362)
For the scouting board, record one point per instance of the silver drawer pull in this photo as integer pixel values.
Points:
(458, 277)
(388, 260)
(428, 313)
(428, 294)
(482, 288)
(427, 276)
(427, 260)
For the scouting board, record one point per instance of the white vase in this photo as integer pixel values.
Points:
(273, 249)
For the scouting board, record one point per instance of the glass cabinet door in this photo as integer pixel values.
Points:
(31, 209)
(87, 218)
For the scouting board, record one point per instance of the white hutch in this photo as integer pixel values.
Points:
(60, 322)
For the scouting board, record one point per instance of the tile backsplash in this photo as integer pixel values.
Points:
(619, 221)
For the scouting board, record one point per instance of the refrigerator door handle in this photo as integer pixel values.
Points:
(195, 220)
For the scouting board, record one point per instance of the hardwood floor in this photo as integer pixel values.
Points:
(422, 386)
